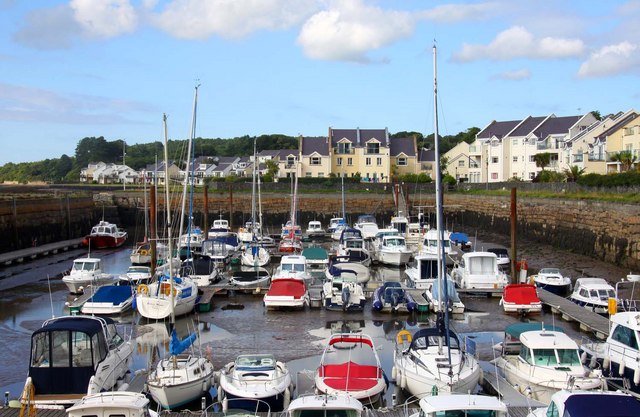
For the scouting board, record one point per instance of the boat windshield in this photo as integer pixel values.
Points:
(325, 413)
(84, 266)
(551, 357)
(394, 242)
(292, 267)
(255, 362)
(602, 294)
(463, 413)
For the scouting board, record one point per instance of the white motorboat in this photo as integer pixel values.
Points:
(430, 245)
(463, 405)
(314, 229)
(391, 250)
(323, 405)
(437, 299)
(343, 292)
(577, 403)
(352, 246)
(317, 258)
(292, 266)
(190, 243)
(84, 272)
(256, 377)
(334, 222)
(548, 361)
(552, 280)
(479, 271)
(110, 299)
(220, 227)
(113, 403)
(350, 365)
(432, 361)
(423, 271)
(136, 274)
(158, 299)
(618, 355)
(73, 356)
(287, 293)
(503, 256)
(593, 294)
(367, 225)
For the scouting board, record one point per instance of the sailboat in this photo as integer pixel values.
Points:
(180, 378)
(291, 237)
(433, 359)
(255, 254)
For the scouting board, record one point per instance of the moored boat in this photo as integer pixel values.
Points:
(390, 296)
(72, 356)
(286, 293)
(84, 272)
(552, 280)
(105, 235)
(521, 299)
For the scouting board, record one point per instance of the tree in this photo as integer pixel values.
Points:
(272, 168)
(625, 158)
(573, 173)
(542, 160)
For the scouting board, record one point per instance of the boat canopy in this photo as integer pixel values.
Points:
(422, 338)
(597, 405)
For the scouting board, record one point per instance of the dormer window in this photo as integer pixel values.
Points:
(344, 148)
(373, 148)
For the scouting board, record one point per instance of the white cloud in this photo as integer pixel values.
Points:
(53, 28)
(452, 13)
(197, 19)
(105, 18)
(517, 42)
(18, 103)
(611, 60)
(516, 75)
(349, 29)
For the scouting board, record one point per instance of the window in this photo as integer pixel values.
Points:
(344, 148)
(625, 336)
(367, 161)
(494, 175)
(339, 162)
(494, 159)
(515, 142)
(379, 161)
(373, 148)
(307, 174)
(314, 160)
(402, 161)
(461, 163)
(291, 160)
(349, 161)
(320, 174)
(515, 159)
(532, 158)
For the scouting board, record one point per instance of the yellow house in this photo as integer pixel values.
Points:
(623, 136)
(315, 157)
(360, 151)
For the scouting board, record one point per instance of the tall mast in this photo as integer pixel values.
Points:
(167, 206)
(253, 191)
(442, 277)
(186, 177)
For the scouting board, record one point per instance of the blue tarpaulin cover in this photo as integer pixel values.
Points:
(177, 346)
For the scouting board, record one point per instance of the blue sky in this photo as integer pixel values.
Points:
(78, 68)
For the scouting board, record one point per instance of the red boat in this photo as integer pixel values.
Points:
(521, 299)
(287, 293)
(105, 235)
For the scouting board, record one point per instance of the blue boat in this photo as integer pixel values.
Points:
(110, 299)
(390, 296)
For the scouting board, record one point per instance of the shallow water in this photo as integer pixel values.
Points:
(295, 337)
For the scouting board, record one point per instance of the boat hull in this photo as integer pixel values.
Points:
(171, 391)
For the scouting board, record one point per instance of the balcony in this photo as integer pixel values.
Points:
(578, 157)
(337, 151)
(596, 157)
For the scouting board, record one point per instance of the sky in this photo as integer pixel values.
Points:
(87, 68)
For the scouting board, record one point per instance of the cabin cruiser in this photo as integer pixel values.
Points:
(593, 294)
(72, 356)
(84, 272)
(256, 377)
(548, 361)
(479, 271)
(552, 280)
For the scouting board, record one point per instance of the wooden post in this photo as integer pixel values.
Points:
(206, 210)
(153, 239)
(514, 230)
(230, 207)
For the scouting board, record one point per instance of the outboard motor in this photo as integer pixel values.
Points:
(346, 295)
(395, 299)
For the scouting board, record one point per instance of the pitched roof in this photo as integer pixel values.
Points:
(319, 144)
(359, 137)
(426, 155)
(402, 145)
(556, 125)
(619, 122)
(527, 126)
(497, 129)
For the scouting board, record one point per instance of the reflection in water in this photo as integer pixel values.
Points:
(345, 326)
